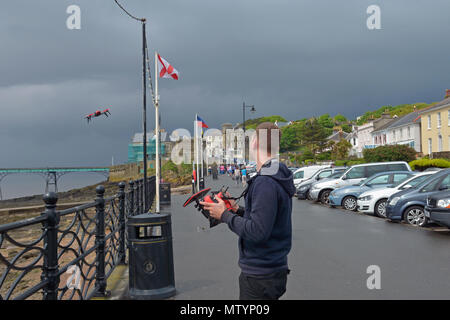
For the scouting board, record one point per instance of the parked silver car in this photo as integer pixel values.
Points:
(354, 175)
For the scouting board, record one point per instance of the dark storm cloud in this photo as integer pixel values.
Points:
(292, 58)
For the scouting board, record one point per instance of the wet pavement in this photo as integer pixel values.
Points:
(332, 249)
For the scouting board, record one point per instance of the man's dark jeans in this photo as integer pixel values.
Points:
(267, 287)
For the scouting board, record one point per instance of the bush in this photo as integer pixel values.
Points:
(324, 156)
(169, 166)
(399, 152)
(423, 164)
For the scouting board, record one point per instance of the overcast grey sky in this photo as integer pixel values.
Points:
(292, 58)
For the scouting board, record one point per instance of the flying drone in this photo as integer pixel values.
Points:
(97, 113)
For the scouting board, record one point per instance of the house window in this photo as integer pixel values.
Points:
(429, 121)
(439, 120)
(429, 145)
(448, 117)
(401, 134)
(409, 132)
(440, 143)
(394, 136)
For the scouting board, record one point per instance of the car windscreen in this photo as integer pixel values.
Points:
(428, 181)
(414, 181)
(337, 174)
(299, 174)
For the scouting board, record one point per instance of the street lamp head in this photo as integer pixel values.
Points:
(253, 109)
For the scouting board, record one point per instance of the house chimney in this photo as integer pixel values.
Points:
(385, 115)
(447, 93)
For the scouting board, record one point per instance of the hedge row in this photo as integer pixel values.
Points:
(423, 164)
(390, 153)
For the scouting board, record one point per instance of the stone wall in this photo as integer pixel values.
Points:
(440, 155)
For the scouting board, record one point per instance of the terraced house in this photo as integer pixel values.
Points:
(404, 130)
(436, 127)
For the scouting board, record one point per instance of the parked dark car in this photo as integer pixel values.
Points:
(409, 204)
(437, 208)
(302, 192)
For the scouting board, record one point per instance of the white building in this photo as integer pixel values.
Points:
(352, 137)
(404, 130)
(364, 138)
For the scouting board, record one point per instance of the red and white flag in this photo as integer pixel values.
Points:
(165, 69)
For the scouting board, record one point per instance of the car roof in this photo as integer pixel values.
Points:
(432, 177)
(377, 163)
(310, 167)
(389, 172)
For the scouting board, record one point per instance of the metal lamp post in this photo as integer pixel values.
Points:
(252, 109)
(144, 98)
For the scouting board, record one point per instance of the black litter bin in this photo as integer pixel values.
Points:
(164, 193)
(202, 183)
(151, 271)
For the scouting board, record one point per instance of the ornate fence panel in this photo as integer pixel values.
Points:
(68, 254)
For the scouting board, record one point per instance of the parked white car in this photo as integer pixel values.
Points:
(305, 173)
(251, 171)
(374, 201)
(354, 175)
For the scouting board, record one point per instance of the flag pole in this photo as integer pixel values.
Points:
(194, 164)
(196, 153)
(201, 153)
(158, 173)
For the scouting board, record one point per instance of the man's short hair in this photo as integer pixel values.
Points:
(268, 129)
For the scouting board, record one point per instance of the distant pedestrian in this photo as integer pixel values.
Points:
(237, 175)
(244, 176)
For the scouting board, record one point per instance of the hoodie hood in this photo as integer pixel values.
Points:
(279, 172)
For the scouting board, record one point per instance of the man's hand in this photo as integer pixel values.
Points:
(215, 209)
(234, 205)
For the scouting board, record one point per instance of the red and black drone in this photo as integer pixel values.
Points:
(97, 113)
(202, 196)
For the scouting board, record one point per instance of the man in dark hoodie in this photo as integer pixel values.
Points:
(264, 225)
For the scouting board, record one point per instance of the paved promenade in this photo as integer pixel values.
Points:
(332, 249)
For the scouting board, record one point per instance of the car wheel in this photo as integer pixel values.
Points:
(308, 196)
(415, 216)
(380, 208)
(349, 203)
(324, 196)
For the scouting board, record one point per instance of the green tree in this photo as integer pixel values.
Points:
(340, 150)
(339, 119)
(253, 123)
(313, 135)
(327, 123)
(290, 138)
(346, 128)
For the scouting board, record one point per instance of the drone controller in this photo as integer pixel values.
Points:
(202, 196)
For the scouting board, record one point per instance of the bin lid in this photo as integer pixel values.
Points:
(150, 217)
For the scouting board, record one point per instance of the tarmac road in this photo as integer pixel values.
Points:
(331, 251)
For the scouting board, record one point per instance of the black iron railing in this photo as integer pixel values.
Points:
(69, 254)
